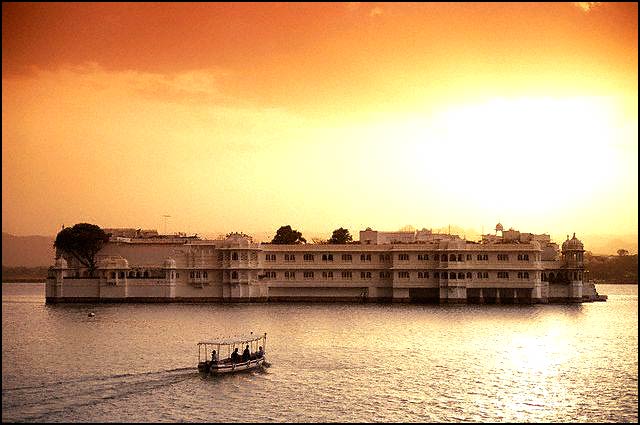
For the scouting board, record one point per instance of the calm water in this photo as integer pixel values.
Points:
(329, 362)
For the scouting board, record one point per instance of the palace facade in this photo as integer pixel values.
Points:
(421, 266)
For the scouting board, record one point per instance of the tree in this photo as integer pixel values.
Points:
(340, 236)
(623, 252)
(286, 235)
(82, 241)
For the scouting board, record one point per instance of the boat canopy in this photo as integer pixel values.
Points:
(235, 339)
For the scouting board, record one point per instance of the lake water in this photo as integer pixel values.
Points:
(329, 362)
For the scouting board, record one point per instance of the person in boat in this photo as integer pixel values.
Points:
(214, 357)
(260, 353)
(235, 356)
(246, 354)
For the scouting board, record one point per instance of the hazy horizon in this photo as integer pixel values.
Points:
(246, 117)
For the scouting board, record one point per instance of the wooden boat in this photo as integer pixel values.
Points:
(226, 346)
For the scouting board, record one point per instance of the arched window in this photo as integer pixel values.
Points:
(419, 275)
(146, 273)
(121, 275)
(479, 275)
(452, 257)
(113, 275)
(468, 275)
(452, 275)
(443, 257)
(460, 275)
(486, 275)
(234, 256)
(459, 257)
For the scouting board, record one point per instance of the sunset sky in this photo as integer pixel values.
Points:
(246, 117)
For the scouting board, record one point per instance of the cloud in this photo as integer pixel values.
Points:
(376, 11)
(587, 6)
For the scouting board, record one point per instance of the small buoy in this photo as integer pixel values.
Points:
(91, 314)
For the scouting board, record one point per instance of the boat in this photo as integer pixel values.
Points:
(225, 347)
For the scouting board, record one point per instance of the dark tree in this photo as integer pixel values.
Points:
(286, 235)
(82, 241)
(340, 236)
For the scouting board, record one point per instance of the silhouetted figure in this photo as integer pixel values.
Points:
(214, 357)
(235, 356)
(246, 354)
(260, 352)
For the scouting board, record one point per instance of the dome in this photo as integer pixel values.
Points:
(113, 263)
(61, 263)
(169, 263)
(499, 227)
(572, 244)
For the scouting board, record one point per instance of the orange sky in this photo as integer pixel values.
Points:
(251, 116)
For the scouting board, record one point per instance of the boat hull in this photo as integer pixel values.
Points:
(223, 368)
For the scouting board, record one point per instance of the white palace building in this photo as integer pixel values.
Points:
(421, 266)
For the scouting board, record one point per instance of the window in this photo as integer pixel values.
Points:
(452, 257)
(503, 257)
(308, 275)
(452, 275)
(204, 274)
(146, 273)
(234, 275)
(177, 275)
(385, 275)
(289, 257)
(131, 274)
(503, 275)
(419, 275)
(271, 257)
(384, 258)
(329, 257)
(443, 257)
(423, 275)
(270, 275)
(459, 257)
(468, 275)
(525, 257)
(460, 275)
(346, 257)
(403, 257)
(526, 275)
(289, 275)
(486, 275)
(436, 275)
(234, 256)
(365, 275)
(468, 257)
(519, 275)
(365, 257)
(308, 257)
(403, 275)
(479, 275)
(346, 275)
(327, 275)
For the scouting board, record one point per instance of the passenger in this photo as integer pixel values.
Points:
(214, 357)
(246, 354)
(260, 353)
(235, 356)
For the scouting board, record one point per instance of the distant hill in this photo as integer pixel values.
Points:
(27, 251)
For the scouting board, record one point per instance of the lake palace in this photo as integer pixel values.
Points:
(408, 266)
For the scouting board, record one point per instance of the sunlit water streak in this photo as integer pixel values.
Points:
(329, 362)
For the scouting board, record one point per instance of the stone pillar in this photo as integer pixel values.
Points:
(481, 297)
(497, 295)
